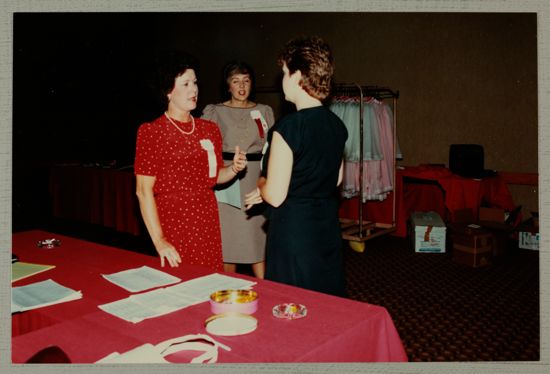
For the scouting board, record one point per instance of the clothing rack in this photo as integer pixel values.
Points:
(358, 230)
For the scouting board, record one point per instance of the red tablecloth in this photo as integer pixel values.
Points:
(335, 329)
(95, 195)
(453, 192)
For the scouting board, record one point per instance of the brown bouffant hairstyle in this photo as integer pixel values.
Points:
(313, 57)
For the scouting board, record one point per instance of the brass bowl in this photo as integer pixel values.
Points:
(239, 301)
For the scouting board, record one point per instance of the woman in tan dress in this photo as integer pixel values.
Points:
(243, 123)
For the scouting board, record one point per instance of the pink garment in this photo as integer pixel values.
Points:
(378, 175)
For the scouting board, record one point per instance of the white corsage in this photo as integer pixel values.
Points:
(260, 122)
(208, 146)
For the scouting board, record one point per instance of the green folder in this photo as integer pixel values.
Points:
(20, 270)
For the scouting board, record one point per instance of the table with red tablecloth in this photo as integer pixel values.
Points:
(334, 330)
(430, 188)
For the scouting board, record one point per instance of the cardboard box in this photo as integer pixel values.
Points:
(494, 220)
(471, 235)
(465, 215)
(428, 232)
(529, 240)
(474, 257)
(472, 245)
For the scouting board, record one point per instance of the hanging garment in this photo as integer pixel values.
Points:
(378, 147)
(347, 108)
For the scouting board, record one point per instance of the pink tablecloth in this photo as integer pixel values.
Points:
(335, 329)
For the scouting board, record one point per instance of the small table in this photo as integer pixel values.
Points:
(447, 193)
(335, 329)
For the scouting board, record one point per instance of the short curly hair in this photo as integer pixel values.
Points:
(313, 57)
(170, 65)
(237, 67)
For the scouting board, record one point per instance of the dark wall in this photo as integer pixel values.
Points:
(80, 80)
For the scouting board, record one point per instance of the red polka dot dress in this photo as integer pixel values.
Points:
(186, 168)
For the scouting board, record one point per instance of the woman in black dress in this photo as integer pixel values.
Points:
(304, 169)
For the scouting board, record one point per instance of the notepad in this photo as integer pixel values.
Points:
(21, 270)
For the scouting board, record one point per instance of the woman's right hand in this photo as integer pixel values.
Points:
(252, 198)
(168, 251)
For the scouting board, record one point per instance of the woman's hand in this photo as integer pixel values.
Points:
(229, 172)
(252, 198)
(239, 160)
(168, 252)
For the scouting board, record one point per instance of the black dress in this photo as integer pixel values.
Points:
(304, 244)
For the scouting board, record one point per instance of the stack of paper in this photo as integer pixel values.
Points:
(41, 294)
(161, 301)
(141, 279)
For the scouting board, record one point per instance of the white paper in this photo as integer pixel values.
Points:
(41, 294)
(230, 195)
(203, 287)
(141, 279)
(161, 301)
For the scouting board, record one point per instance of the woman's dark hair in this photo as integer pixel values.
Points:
(237, 67)
(313, 57)
(171, 65)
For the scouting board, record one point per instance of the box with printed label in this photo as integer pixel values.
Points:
(428, 232)
(529, 240)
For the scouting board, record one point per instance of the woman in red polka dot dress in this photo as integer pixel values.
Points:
(178, 162)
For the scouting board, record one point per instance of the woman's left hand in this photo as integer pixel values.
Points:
(239, 160)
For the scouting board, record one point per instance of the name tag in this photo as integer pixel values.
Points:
(260, 122)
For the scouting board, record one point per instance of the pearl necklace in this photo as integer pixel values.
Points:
(177, 127)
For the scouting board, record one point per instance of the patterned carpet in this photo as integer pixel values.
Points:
(449, 312)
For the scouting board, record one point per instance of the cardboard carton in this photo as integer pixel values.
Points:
(494, 220)
(474, 257)
(428, 232)
(529, 240)
(492, 215)
(472, 245)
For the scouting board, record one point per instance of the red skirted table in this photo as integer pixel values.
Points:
(334, 330)
(96, 195)
(446, 193)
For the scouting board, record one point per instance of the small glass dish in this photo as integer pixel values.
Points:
(48, 243)
(289, 311)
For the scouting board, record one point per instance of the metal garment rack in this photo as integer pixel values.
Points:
(359, 230)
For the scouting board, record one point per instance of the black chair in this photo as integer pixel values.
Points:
(468, 160)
